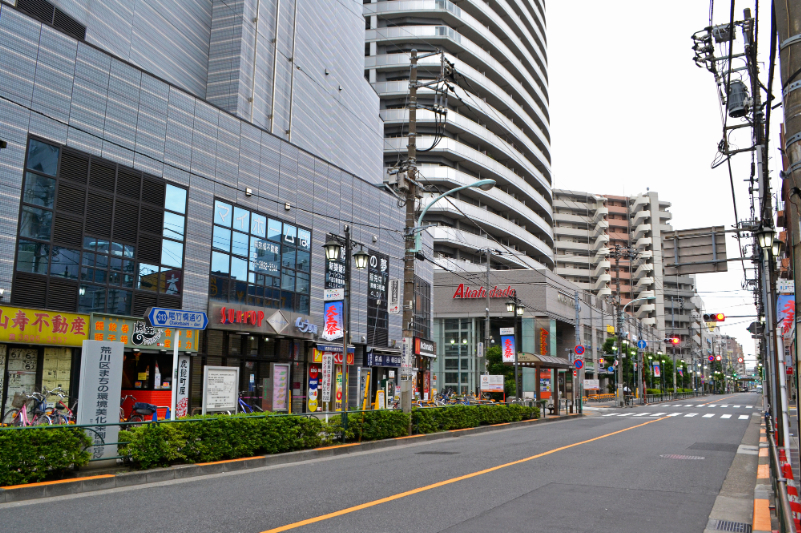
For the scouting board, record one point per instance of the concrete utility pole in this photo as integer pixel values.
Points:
(486, 323)
(408, 258)
(629, 254)
(788, 24)
(579, 381)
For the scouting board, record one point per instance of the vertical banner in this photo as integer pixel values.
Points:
(332, 316)
(394, 296)
(280, 374)
(406, 354)
(328, 359)
(508, 348)
(314, 386)
(182, 392)
(338, 402)
(785, 312)
(657, 372)
(100, 386)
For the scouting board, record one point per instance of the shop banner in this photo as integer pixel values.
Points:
(508, 348)
(137, 334)
(314, 387)
(491, 383)
(182, 393)
(33, 326)
(406, 356)
(374, 359)
(338, 403)
(318, 355)
(280, 373)
(328, 364)
(332, 327)
(220, 388)
(657, 372)
(100, 386)
(785, 312)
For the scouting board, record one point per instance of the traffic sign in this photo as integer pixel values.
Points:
(579, 350)
(711, 358)
(176, 318)
(615, 362)
(507, 331)
(578, 363)
(575, 374)
(641, 344)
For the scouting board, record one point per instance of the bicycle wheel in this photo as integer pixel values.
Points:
(42, 420)
(11, 418)
(135, 418)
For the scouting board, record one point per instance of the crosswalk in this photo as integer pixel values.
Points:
(710, 406)
(724, 416)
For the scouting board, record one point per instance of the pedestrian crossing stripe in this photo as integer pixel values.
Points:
(725, 416)
(674, 414)
(688, 415)
(658, 414)
(744, 417)
(641, 414)
(626, 414)
(709, 415)
(736, 406)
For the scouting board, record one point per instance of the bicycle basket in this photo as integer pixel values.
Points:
(18, 401)
(143, 408)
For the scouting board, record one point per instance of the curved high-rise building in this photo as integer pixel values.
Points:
(497, 124)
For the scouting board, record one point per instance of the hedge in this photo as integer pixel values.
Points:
(469, 416)
(38, 454)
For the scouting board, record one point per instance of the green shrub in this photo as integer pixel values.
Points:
(432, 420)
(37, 454)
(372, 425)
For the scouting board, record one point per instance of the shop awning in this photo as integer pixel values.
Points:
(336, 348)
(543, 361)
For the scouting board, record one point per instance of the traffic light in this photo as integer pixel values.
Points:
(714, 317)
(674, 340)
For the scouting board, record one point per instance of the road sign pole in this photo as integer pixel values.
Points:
(174, 385)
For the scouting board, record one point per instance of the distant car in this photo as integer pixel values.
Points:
(759, 388)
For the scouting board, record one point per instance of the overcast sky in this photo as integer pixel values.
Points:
(630, 110)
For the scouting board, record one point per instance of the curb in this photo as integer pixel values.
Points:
(47, 489)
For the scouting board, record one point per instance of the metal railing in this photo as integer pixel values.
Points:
(779, 483)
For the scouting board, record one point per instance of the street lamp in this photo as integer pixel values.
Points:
(334, 247)
(513, 306)
(621, 313)
(765, 238)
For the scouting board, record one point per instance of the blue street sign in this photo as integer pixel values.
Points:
(579, 350)
(176, 318)
(711, 358)
(641, 344)
(578, 363)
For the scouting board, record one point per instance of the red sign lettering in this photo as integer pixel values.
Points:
(465, 292)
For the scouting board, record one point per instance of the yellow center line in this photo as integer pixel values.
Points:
(418, 490)
(716, 401)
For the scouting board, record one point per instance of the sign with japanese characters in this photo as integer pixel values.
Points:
(136, 334)
(508, 348)
(377, 278)
(220, 388)
(176, 318)
(491, 383)
(98, 402)
(332, 317)
(335, 270)
(394, 297)
(33, 326)
(182, 393)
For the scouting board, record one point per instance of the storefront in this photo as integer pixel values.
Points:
(39, 350)
(384, 365)
(147, 358)
(425, 351)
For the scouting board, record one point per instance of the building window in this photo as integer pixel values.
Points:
(422, 308)
(105, 238)
(259, 261)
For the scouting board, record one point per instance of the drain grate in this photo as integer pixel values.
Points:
(436, 453)
(737, 527)
(713, 447)
(682, 457)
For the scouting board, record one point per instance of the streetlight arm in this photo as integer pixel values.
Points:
(417, 234)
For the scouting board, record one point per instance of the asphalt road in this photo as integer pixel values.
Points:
(642, 472)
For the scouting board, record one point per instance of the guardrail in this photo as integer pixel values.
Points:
(779, 483)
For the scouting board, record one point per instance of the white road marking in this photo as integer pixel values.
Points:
(736, 406)
(688, 415)
(641, 414)
(710, 415)
(743, 417)
(626, 414)
(674, 414)
(724, 405)
(725, 416)
(657, 414)
(612, 414)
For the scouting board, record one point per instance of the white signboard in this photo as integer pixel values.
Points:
(219, 388)
(406, 356)
(100, 385)
(491, 383)
(280, 373)
(182, 392)
(333, 295)
(507, 331)
(328, 362)
(590, 384)
(394, 296)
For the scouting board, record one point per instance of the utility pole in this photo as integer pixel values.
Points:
(788, 24)
(408, 258)
(579, 381)
(487, 320)
(629, 254)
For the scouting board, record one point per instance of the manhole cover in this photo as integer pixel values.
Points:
(725, 525)
(713, 447)
(436, 453)
(682, 457)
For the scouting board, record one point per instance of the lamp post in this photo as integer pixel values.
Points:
(651, 367)
(513, 306)
(333, 249)
(621, 314)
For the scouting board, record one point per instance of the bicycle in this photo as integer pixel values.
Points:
(246, 407)
(20, 416)
(55, 414)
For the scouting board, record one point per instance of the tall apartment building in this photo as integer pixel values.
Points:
(193, 156)
(497, 125)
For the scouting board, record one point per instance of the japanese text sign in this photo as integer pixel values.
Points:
(176, 318)
(33, 326)
(332, 325)
(137, 334)
(508, 348)
(182, 394)
(100, 385)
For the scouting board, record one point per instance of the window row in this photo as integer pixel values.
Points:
(227, 290)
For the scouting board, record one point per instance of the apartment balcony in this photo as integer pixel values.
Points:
(640, 217)
(602, 254)
(644, 242)
(604, 292)
(602, 267)
(646, 294)
(644, 282)
(640, 230)
(600, 213)
(602, 282)
(574, 259)
(643, 310)
(600, 242)
(572, 246)
(638, 202)
(666, 215)
(645, 268)
(602, 225)
(472, 244)
(649, 321)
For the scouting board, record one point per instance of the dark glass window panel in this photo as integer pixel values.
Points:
(116, 263)
(65, 262)
(258, 302)
(288, 257)
(91, 299)
(35, 223)
(221, 240)
(172, 253)
(451, 364)
(173, 226)
(89, 243)
(287, 302)
(119, 302)
(116, 249)
(302, 284)
(101, 261)
(219, 263)
(259, 279)
(274, 230)
(303, 261)
(42, 157)
(288, 281)
(258, 225)
(302, 304)
(223, 214)
(88, 259)
(175, 199)
(273, 281)
(102, 246)
(87, 274)
(39, 190)
(241, 219)
(290, 234)
(32, 257)
(218, 288)
(128, 280)
(239, 292)
(239, 244)
(304, 239)
(114, 278)
(128, 250)
(170, 281)
(148, 277)
(265, 256)
(239, 269)
(100, 276)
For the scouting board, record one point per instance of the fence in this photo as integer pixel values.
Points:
(779, 483)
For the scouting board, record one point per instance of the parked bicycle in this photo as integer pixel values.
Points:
(247, 404)
(60, 413)
(27, 410)
(140, 411)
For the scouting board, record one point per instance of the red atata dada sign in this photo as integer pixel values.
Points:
(465, 292)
